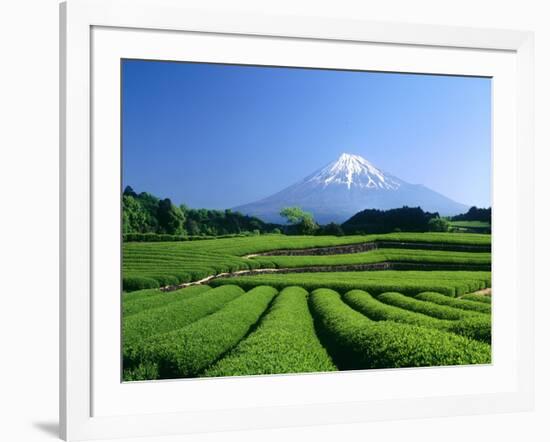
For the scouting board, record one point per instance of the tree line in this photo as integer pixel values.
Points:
(474, 214)
(145, 213)
(406, 219)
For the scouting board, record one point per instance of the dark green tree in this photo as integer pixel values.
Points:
(170, 218)
(307, 226)
(192, 227)
(150, 204)
(331, 229)
(134, 217)
(439, 225)
(302, 221)
(128, 191)
(475, 214)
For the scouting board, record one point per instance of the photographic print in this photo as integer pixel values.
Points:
(284, 220)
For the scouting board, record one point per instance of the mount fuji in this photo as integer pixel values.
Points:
(347, 186)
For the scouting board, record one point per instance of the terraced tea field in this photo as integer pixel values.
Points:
(158, 264)
(287, 304)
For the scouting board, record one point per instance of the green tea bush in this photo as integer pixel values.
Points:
(412, 256)
(438, 298)
(424, 307)
(471, 286)
(132, 305)
(378, 311)
(284, 342)
(356, 342)
(375, 282)
(166, 280)
(162, 237)
(139, 294)
(136, 329)
(188, 351)
(310, 283)
(477, 326)
(143, 371)
(156, 237)
(477, 298)
(131, 283)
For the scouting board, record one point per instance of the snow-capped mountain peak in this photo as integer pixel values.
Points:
(346, 186)
(353, 170)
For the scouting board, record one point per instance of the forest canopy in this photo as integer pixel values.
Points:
(145, 213)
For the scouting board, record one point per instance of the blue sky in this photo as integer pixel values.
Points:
(217, 136)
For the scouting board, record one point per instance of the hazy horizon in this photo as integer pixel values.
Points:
(218, 136)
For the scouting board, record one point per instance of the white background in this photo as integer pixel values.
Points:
(29, 229)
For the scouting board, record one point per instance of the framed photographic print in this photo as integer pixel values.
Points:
(327, 221)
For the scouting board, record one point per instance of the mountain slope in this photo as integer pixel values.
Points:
(346, 186)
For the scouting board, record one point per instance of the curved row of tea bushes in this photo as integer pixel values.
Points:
(477, 327)
(155, 298)
(375, 256)
(139, 294)
(141, 326)
(188, 351)
(135, 282)
(424, 307)
(284, 342)
(438, 298)
(450, 283)
(356, 342)
(477, 298)
(376, 310)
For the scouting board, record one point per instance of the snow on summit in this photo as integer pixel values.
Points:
(346, 186)
(354, 170)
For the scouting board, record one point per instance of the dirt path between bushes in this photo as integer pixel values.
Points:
(484, 292)
(352, 248)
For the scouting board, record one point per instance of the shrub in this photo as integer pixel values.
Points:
(155, 298)
(378, 311)
(139, 294)
(188, 351)
(424, 307)
(165, 237)
(131, 283)
(284, 342)
(166, 280)
(474, 260)
(136, 329)
(356, 342)
(477, 298)
(477, 326)
(143, 371)
(408, 282)
(438, 298)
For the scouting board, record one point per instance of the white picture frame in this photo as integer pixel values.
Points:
(89, 405)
